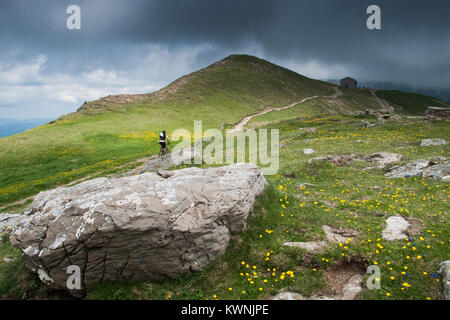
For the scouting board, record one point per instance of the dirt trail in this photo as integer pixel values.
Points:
(382, 103)
(338, 93)
(240, 125)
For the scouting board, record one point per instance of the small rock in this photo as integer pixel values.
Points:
(288, 296)
(308, 151)
(433, 142)
(446, 179)
(395, 228)
(352, 287)
(414, 168)
(308, 130)
(445, 274)
(437, 171)
(438, 159)
(339, 235)
(384, 157)
(303, 185)
(337, 160)
(310, 246)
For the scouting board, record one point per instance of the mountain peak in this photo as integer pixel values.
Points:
(243, 58)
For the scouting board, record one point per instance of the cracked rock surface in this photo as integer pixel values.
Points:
(138, 227)
(8, 221)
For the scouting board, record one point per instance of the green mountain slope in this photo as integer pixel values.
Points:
(410, 102)
(110, 134)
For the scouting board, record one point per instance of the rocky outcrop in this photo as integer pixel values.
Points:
(414, 168)
(384, 157)
(339, 235)
(421, 167)
(381, 159)
(438, 171)
(438, 113)
(432, 142)
(333, 235)
(137, 227)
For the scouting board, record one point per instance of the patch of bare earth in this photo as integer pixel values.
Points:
(345, 282)
(345, 279)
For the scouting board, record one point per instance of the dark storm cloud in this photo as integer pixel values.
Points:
(126, 39)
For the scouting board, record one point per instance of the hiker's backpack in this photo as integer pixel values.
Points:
(162, 137)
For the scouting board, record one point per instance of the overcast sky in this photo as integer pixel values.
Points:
(139, 46)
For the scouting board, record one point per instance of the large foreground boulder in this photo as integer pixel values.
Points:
(138, 227)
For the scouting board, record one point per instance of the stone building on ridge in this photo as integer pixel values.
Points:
(349, 83)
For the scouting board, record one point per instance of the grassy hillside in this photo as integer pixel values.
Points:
(411, 102)
(110, 134)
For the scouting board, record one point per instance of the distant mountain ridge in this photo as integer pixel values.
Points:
(226, 91)
(443, 94)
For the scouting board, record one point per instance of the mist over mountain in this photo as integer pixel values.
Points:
(443, 94)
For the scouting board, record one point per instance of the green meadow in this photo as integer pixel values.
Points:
(100, 141)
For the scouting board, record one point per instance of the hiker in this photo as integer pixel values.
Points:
(162, 142)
